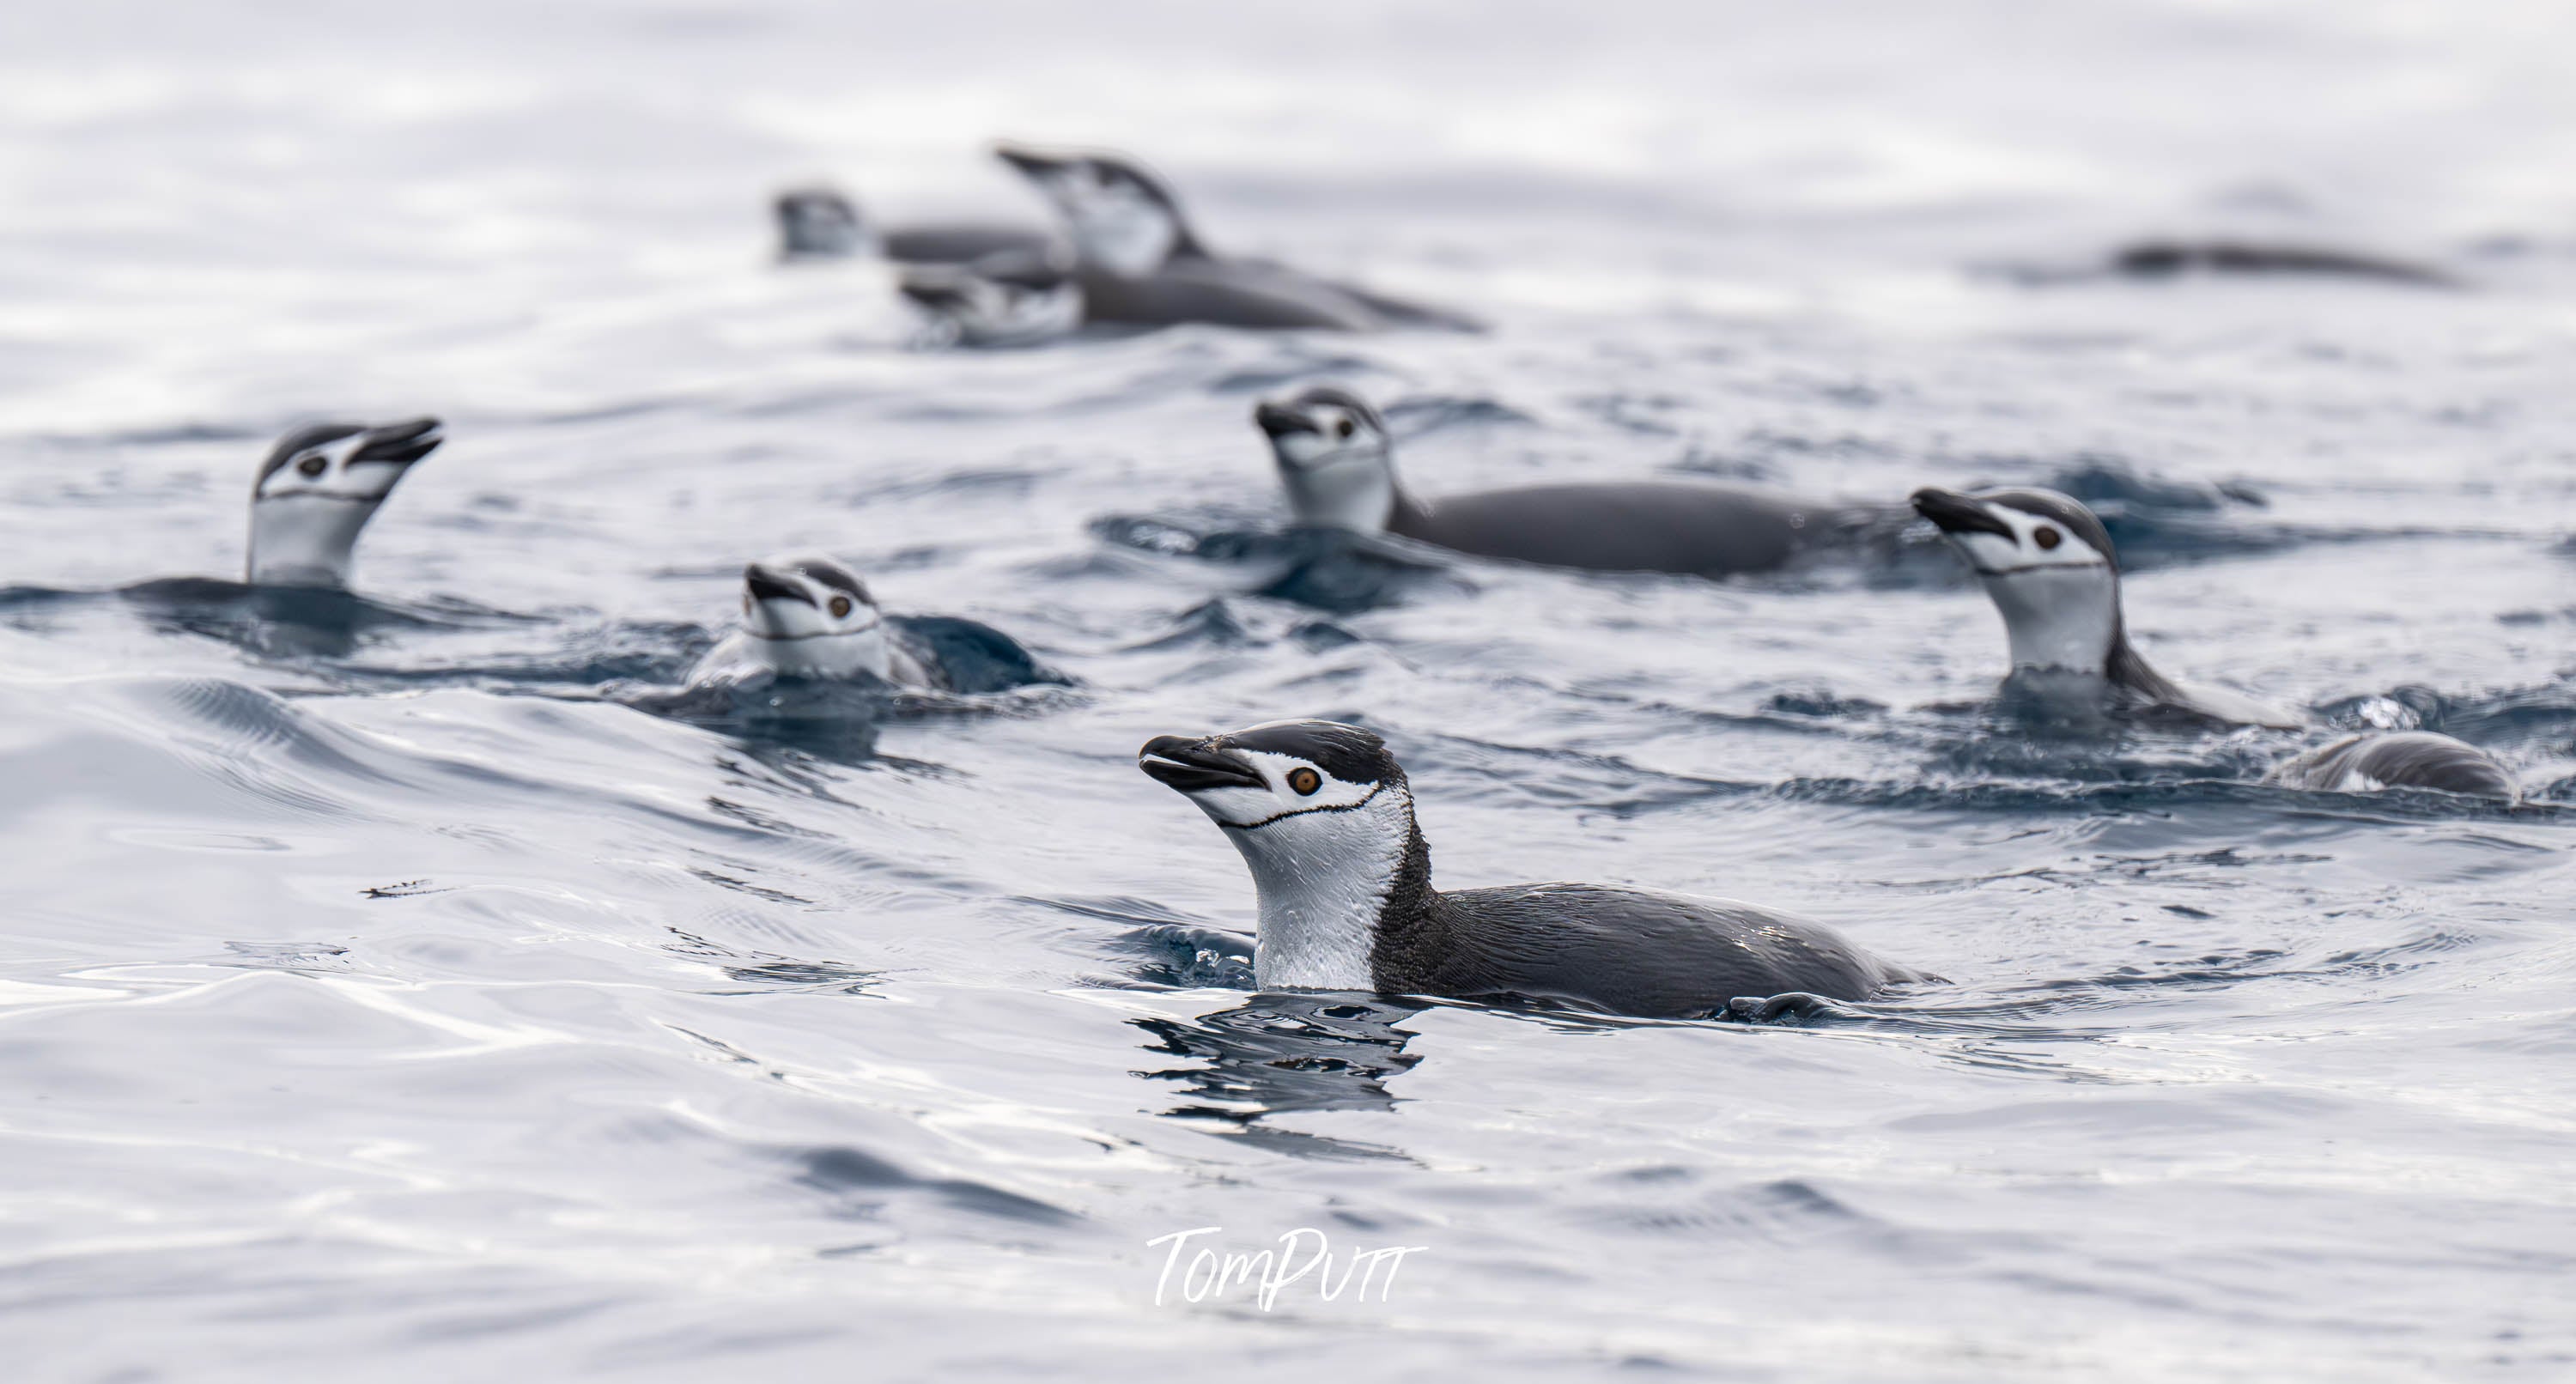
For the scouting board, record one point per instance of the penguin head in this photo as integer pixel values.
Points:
(1323, 818)
(316, 490)
(1007, 298)
(1335, 458)
(1302, 788)
(2047, 563)
(1123, 219)
(806, 615)
(818, 223)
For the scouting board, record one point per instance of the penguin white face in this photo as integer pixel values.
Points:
(1006, 299)
(1335, 459)
(1266, 776)
(805, 615)
(2047, 563)
(317, 489)
(819, 223)
(1323, 817)
(1121, 218)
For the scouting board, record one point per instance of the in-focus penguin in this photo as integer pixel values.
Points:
(2051, 570)
(316, 491)
(1013, 298)
(1338, 464)
(823, 223)
(805, 615)
(1324, 818)
(1140, 262)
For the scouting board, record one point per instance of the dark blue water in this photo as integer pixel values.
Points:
(409, 986)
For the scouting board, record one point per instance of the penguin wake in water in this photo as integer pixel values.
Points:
(1338, 464)
(807, 616)
(1323, 816)
(819, 223)
(2050, 568)
(1139, 261)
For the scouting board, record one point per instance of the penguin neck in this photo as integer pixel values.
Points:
(2060, 620)
(1360, 493)
(1330, 888)
(864, 653)
(305, 540)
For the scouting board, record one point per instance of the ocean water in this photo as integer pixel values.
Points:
(393, 988)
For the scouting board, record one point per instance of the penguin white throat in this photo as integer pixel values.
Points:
(2047, 564)
(2059, 620)
(1335, 860)
(315, 493)
(809, 616)
(1335, 460)
(1122, 220)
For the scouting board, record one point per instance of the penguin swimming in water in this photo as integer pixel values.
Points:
(805, 615)
(1011, 298)
(2165, 259)
(1338, 463)
(316, 491)
(1140, 262)
(2050, 568)
(823, 223)
(1324, 818)
(2412, 758)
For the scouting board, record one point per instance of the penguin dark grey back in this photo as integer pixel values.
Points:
(1324, 818)
(1337, 462)
(1142, 263)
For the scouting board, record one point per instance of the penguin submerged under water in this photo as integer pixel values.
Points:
(1138, 260)
(1337, 463)
(808, 616)
(2050, 568)
(1323, 816)
(1009, 298)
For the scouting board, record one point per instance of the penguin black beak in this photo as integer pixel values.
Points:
(1279, 420)
(766, 585)
(1194, 766)
(1954, 513)
(939, 292)
(399, 443)
(1030, 162)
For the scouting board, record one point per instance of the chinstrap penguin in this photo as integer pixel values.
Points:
(808, 616)
(1337, 462)
(816, 223)
(1014, 298)
(315, 492)
(1324, 818)
(2052, 572)
(805, 615)
(1140, 262)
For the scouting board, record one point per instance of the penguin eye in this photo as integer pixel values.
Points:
(1345, 428)
(2046, 537)
(840, 607)
(313, 465)
(1305, 781)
